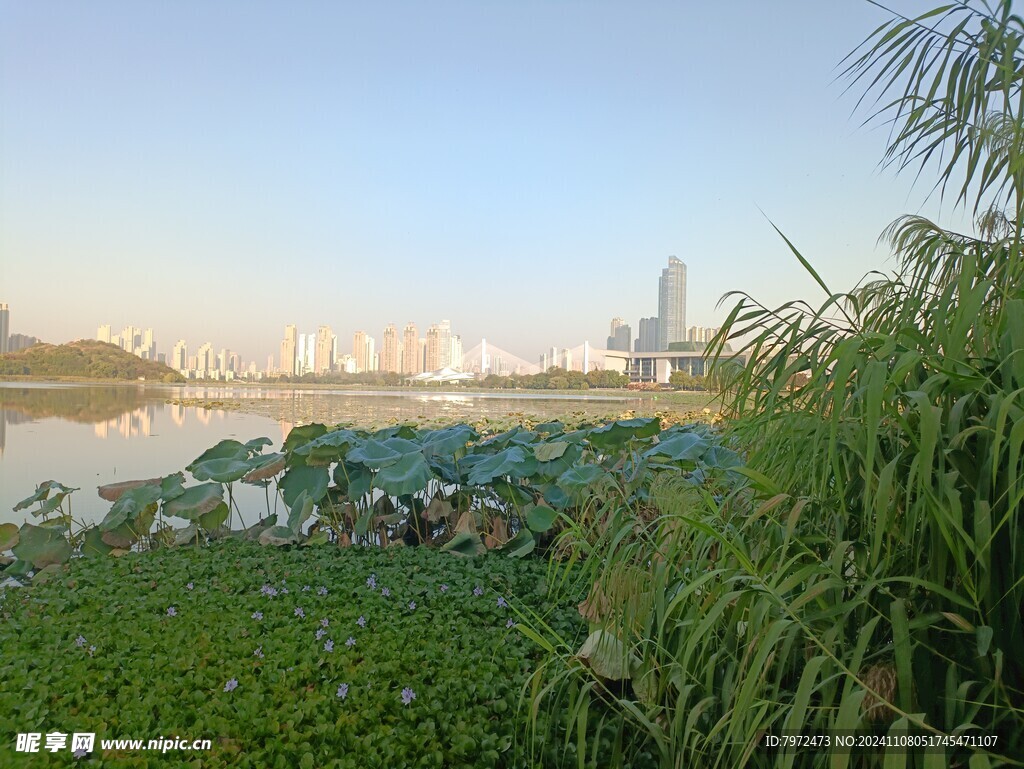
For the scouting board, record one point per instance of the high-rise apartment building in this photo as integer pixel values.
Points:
(648, 339)
(391, 350)
(359, 350)
(324, 358)
(179, 357)
(411, 357)
(672, 304)
(5, 328)
(434, 344)
(147, 349)
(205, 363)
(621, 336)
(289, 350)
(103, 334)
(455, 360)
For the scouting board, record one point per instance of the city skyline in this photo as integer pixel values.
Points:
(522, 166)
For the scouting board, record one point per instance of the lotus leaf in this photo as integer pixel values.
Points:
(396, 431)
(582, 481)
(300, 436)
(184, 536)
(8, 536)
(228, 448)
(93, 544)
(605, 654)
(264, 467)
(41, 547)
(687, 447)
(195, 501)
(19, 568)
(113, 491)
(299, 478)
(355, 480)
(548, 451)
(300, 511)
(214, 518)
(438, 508)
(540, 519)
(328, 448)
(42, 492)
(373, 454)
(550, 428)
(514, 460)
(615, 435)
(721, 458)
(465, 543)
(447, 441)
(403, 445)
(510, 492)
(408, 475)
(129, 532)
(129, 505)
(520, 546)
(226, 470)
(255, 446)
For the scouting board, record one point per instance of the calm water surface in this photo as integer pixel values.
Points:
(90, 435)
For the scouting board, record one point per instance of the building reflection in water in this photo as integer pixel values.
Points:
(132, 424)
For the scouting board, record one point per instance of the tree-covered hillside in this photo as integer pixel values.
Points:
(84, 358)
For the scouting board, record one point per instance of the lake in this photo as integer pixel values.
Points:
(90, 435)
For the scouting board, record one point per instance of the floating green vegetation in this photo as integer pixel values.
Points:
(307, 657)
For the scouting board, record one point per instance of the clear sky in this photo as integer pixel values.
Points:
(522, 168)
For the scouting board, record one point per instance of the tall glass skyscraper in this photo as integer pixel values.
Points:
(672, 304)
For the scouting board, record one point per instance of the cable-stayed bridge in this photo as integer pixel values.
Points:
(487, 358)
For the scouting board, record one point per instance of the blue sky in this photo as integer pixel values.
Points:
(215, 171)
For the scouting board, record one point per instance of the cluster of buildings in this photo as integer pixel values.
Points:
(205, 363)
(664, 344)
(399, 353)
(11, 342)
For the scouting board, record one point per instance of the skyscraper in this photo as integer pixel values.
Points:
(434, 344)
(205, 364)
(411, 358)
(456, 357)
(324, 360)
(179, 358)
(672, 304)
(648, 339)
(289, 350)
(5, 328)
(103, 334)
(391, 350)
(620, 337)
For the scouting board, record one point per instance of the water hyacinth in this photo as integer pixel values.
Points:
(385, 592)
(284, 591)
(325, 622)
(444, 588)
(321, 590)
(371, 582)
(268, 590)
(92, 650)
(231, 685)
(299, 612)
(478, 591)
(329, 645)
(257, 615)
(80, 753)
(511, 622)
(412, 606)
(258, 653)
(320, 633)
(80, 641)
(408, 695)
(361, 621)
(342, 691)
(501, 603)
(189, 586)
(172, 612)
(306, 588)
(350, 642)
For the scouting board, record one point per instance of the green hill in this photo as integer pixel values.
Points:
(85, 358)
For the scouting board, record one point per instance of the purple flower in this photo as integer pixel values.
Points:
(269, 590)
(189, 586)
(299, 612)
(329, 645)
(444, 588)
(342, 691)
(385, 592)
(412, 606)
(80, 641)
(371, 582)
(321, 590)
(478, 590)
(350, 642)
(231, 685)
(408, 695)
(501, 603)
(258, 652)
(361, 621)
(305, 588)
(320, 633)
(511, 622)
(284, 591)
(172, 612)
(80, 753)
(92, 650)
(257, 615)
(325, 622)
